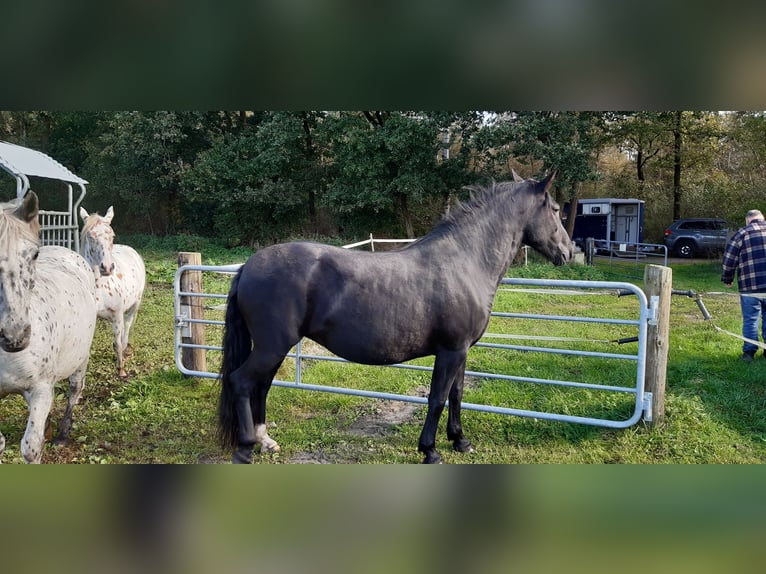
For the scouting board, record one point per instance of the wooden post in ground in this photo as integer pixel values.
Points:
(658, 280)
(191, 282)
(589, 250)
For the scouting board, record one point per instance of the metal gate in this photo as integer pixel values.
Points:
(542, 287)
(59, 228)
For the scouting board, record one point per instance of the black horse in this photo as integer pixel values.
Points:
(432, 297)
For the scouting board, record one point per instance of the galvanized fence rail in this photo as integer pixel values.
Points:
(646, 313)
(625, 259)
(372, 241)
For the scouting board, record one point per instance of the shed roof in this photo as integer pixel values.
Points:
(18, 160)
(610, 200)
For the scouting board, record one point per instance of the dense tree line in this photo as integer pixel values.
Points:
(255, 177)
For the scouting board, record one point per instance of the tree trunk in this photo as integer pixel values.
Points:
(406, 215)
(677, 141)
(448, 202)
(572, 215)
(573, 201)
(311, 156)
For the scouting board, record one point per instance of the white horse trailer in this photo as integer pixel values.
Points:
(57, 227)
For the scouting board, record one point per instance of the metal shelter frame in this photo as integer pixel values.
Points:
(56, 227)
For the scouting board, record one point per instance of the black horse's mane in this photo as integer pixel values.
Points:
(481, 197)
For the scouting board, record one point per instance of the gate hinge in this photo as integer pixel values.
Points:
(647, 407)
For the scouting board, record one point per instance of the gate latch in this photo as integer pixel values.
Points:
(654, 304)
(182, 323)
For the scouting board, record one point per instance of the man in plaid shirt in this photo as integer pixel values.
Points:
(745, 254)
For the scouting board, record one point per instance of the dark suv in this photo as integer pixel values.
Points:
(688, 237)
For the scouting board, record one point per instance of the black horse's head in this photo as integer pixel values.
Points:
(544, 231)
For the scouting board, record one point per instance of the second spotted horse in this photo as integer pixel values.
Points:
(120, 279)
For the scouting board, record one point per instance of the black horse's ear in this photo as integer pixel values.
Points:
(29, 208)
(548, 181)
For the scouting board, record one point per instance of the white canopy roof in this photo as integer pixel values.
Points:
(21, 162)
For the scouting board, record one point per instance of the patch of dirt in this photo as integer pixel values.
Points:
(380, 419)
(385, 415)
(317, 457)
(213, 459)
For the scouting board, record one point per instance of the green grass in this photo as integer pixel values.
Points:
(715, 405)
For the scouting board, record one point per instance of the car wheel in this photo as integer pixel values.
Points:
(685, 249)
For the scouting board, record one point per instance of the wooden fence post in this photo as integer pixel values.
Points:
(191, 282)
(658, 280)
(589, 250)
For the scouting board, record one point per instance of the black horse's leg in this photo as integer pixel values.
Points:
(447, 366)
(258, 405)
(252, 382)
(246, 433)
(454, 426)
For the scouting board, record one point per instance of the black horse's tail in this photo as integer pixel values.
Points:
(236, 348)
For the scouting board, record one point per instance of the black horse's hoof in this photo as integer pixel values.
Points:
(242, 456)
(463, 445)
(432, 458)
(61, 441)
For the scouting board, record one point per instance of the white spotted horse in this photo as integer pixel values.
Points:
(432, 297)
(47, 321)
(120, 279)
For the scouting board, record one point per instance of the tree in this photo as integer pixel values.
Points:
(137, 163)
(643, 134)
(255, 177)
(28, 129)
(382, 162)
(677, 141)
(461, 139)
(259, 184)
(72, 134)
(567, 142)
(744, 152)
(736, 177)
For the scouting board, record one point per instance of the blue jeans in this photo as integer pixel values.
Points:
(753, 310)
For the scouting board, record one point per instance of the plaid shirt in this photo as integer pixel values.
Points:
(746, 255)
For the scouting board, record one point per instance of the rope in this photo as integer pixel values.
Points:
(717, 328)
(708, 318)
